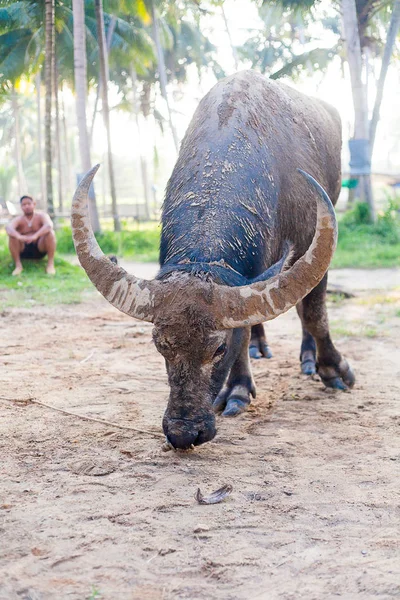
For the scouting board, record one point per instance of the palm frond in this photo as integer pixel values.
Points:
(13, 54)
(318, 59)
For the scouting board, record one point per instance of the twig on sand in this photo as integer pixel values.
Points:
(87, 358)
(31, 400)
(65, 559)
(18, 400)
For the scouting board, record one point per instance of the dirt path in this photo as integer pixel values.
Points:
(92, 511)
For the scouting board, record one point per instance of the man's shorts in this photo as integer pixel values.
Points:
(31, 251)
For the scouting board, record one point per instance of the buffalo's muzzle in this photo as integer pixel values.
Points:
(184, 433)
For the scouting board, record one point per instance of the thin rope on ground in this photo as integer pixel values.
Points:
(67, 412)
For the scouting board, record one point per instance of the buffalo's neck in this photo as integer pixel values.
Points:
(219, 272)
(231, 219)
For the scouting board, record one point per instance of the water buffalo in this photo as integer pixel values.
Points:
(248, 231)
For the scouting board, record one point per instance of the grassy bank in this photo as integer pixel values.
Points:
(70, 284)
(34, 286)
(139, 242)
(369, 245)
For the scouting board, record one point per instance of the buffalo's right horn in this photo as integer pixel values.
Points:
(265, 300)
(130, 295)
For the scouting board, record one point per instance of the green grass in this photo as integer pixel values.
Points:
(336, 298)
(369, 245)
(355, 329)
(140, 242)
(370, 332)
(34, 286)
(94, 594)
(365, 250)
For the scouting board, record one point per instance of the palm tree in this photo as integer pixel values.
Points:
(80, 73)
(28, 39)
(143, 161)
(387, 54)
(7, 173)
(357, 17)
(161, 69)
(274, 51)
(15, 40)
(39, 136)
(354, 59)
(58, 134)
(17, 141)
(49, 53)
(104, 73)
(18, 137)
(69, 178)
(228, 33)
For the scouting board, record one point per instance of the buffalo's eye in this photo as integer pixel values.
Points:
(165, 349)
(220, 351)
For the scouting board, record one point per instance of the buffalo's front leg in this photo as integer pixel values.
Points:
(258, 347)
(234, 397)
(318, 354)
(308, 353)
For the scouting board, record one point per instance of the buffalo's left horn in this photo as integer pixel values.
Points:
(265, 300)
(132, 296)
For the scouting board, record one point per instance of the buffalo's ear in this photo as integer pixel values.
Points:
(278, 267)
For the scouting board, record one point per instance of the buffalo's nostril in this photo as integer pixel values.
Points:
(182, 441)
(205, 436)
(184, 433)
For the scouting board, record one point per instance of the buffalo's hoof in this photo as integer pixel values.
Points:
(339, 377)
(234, 407)
(308, 367)
(234, 399)
(260, 351)
(220, 402)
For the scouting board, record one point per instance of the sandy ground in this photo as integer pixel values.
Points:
(88, 510)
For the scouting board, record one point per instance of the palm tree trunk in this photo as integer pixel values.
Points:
(21, 182)
(390, 41)
(58, 140)
(106, 111)
(81, 92)
(143, 162)
(70, 176)
(228, 32)
(110, 32)
(49, 29)
(95, 109)
(354, 58)
(40, 141)
(162, 72)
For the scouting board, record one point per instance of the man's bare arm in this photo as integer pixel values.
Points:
(47, 225)
(12, 231)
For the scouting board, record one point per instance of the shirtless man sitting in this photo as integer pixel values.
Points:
(31, 235)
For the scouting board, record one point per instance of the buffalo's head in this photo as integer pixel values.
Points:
(198, 323)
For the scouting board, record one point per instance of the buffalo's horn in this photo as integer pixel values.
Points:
(130, 295)
(265, 300)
